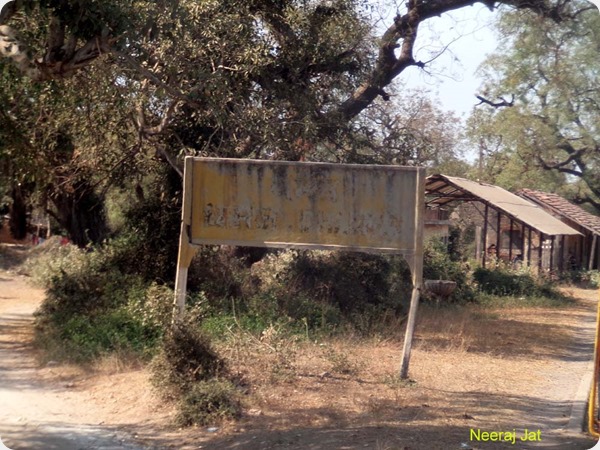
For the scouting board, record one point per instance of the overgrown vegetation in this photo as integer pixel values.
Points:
(188, 370)
(502, 281)
(92, 308)
(99, 302)
(100, 149)
(440, 264)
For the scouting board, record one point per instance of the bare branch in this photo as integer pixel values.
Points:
(405, 28)
(500, 104)
(573, 157)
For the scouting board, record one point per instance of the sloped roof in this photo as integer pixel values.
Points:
(442, 189)
(564, 208)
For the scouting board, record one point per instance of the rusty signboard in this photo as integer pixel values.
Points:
(302, 205)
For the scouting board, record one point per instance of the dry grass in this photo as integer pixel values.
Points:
(473, 367)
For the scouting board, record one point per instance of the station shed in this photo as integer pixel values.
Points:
(508, 227)
(584, 249)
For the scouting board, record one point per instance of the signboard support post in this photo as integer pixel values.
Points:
(416, 268)
(186, 250)
(376, 209)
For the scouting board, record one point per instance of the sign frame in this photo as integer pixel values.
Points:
(194, 223)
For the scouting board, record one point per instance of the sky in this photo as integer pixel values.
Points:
(453, 75)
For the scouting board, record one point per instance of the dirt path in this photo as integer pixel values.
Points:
(40, 410)
(35, 414)
(559, 414)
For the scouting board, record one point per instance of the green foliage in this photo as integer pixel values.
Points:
(301, 291)
(92, 307)
(327, 289)
(501, 281)
(207, 402)
(588, 278)
(349, 281)
(439, 264)
(83, 338)
(549, 139)
(149, 242)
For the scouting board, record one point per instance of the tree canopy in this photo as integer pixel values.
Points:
(98, 94)
(551, 75)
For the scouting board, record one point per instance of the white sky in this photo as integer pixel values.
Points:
(452, 75)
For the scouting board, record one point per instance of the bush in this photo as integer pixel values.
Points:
(186, 357)
(83, 339)
(323, 290)
(301, 290)
(438, 264)
(188, 370)
(351, 282)
(208, 402)
(93, 308)
(588, 278)
(502, 281)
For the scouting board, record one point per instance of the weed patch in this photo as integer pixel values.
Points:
(504, 282)
(189, 371)
(207, 402)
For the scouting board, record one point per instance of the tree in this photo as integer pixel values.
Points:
(97, 91)
(499, 160)
(552, 74)
(63, 145)
(289, 48)
(408, 129)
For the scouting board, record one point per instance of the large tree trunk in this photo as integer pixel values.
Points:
(81, 213)
(18, 213)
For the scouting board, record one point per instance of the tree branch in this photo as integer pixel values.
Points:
(53, 65)
(405, 28)
(500, 104)
(175, 93)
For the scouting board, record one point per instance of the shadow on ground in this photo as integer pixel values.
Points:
(12, 256)
(59, 436)
(395, 427)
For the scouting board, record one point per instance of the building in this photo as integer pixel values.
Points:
(584, 250)
(508, 227)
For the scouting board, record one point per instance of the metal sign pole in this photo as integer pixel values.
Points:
(416, 266)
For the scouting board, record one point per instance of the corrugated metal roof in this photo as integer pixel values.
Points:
(442, 189)
(564, 208)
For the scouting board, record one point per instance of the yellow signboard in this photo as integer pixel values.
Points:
(304, 205)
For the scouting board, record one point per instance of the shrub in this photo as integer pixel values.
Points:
(186, 357)
(304, 290)
(588, 278)
(502, 281)
(207, 402)
(82, 339)
(92, 307)
(152, 306)
(188, 370)
(350, 282)
(438, 264)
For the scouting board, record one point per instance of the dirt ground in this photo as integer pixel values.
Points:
(502, 370)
